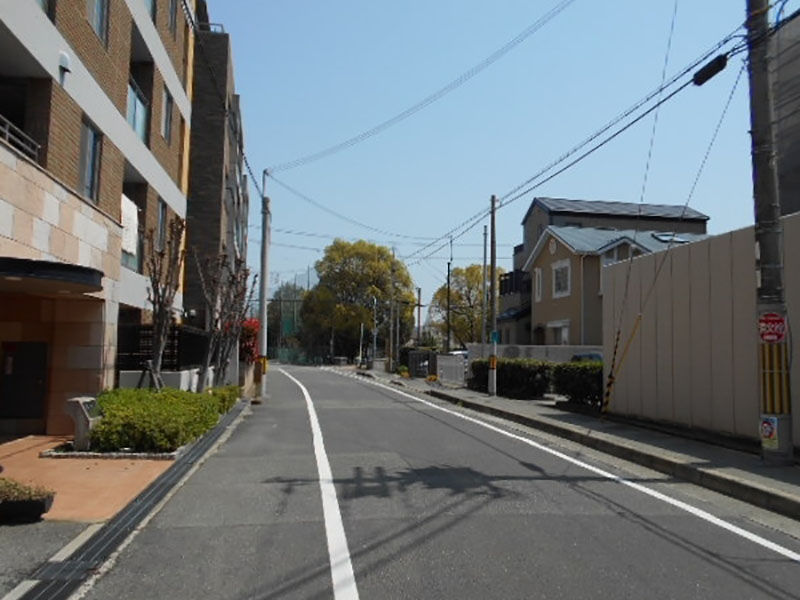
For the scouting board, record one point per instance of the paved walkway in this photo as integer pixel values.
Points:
(87, 490)
(735, 473)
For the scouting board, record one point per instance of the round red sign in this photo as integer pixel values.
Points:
(772, 327)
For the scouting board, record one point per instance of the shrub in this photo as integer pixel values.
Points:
(11, 490)
(402, 370)
(150, 421)
(579, 381)
(226, 397)
(248, 341)
(516, 377)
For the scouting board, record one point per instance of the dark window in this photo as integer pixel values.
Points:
(91, 141)
(161, 239)
(97, 13)
(173, 16)
(166, 116)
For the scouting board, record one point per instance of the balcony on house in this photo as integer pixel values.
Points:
(515, 282)
(140, 86)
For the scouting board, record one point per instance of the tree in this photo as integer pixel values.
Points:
(465, 304)
(354, 278)
(164, 263)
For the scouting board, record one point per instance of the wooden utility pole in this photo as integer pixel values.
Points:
(776, 411)
(492, 383)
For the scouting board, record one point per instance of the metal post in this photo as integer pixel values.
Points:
(390, 360)
(776, 411)
(419, 316)
(492, 383)
(360, 340)
(264, 287)
(447, 341)
(374, 330)
(483, 298)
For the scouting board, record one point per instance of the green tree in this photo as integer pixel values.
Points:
(465, 304)
(353, 276)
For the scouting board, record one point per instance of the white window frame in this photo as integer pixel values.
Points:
(537, 284)
(556, 266)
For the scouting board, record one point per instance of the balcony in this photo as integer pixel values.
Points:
(515, 282)
(18, 139)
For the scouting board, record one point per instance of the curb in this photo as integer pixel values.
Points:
(752, 493)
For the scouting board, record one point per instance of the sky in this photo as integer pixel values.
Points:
(312, 74)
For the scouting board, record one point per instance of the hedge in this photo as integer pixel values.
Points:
(516, 377)
(150, 421)
(580, 382)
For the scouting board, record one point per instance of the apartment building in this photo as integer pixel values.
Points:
(95, 112)
(218, 205)
(552, 297)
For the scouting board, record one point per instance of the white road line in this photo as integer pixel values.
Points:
(706, 516)
(344, 581)
(22, 589)
(70, 548)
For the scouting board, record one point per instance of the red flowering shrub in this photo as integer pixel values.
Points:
(248, 341)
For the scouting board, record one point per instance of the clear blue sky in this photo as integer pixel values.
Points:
(314, 73)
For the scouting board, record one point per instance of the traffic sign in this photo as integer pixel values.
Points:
(772, 327)
(495, 337)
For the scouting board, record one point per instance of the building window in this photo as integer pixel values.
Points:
(561, 278)
(97, 13)
(91, 141)
(166, 116)
(151, 8)
(537, 284)
(173, 16)
(137, 110)
(161, 235)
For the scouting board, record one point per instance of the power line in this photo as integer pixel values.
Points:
(456, 83)
(333, 236)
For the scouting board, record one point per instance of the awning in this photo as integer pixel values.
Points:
(44, 278)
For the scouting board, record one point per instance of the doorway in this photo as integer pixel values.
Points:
(23, 384)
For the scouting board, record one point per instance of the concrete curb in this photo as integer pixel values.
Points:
(735, 487)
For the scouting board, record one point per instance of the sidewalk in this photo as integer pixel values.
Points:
(740, 475)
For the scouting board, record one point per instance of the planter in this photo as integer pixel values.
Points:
(24, 511)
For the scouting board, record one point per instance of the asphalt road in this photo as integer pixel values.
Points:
(436, 506)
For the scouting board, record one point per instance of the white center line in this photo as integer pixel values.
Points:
(697, 512)
(344, 581)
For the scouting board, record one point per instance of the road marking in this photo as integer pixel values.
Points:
(70, 548)
(22, 589)
(344, 581)
(700, 513)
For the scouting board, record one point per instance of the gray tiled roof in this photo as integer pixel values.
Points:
(618, 209)
(589, 240)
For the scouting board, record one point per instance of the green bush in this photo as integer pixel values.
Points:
(150, 421)
(226, 397)
(11, 490)
(516, 377)
(579, 381)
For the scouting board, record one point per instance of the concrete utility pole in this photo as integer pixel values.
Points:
(776, 410)
(266, 217)
(493, 305)
(390, 360)
(483, 298)
(360, 339)
(419, 316)
(447, 342)
(374, 329)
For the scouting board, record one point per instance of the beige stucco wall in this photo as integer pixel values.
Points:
(694, 360)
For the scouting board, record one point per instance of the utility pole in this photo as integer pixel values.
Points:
(360, 339)
(374, 330)
(483, 298)
(391, 320)
(447, 342)
(419, 316)
(264, 287)
(776, 415)
(492, 383)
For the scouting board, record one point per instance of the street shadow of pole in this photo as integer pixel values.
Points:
(727, 564)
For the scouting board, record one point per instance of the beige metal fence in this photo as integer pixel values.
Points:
(694, 358)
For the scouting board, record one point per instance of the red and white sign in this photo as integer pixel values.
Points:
(772, 327)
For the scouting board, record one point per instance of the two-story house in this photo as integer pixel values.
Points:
(558, 267)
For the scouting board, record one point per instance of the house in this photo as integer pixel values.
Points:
(95, 112)
(518, 322)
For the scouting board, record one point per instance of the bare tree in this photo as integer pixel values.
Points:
(164, 263)
(226, 298)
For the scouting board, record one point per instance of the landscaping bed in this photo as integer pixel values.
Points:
(20, 503)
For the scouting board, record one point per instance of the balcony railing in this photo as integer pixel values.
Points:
(18, 139)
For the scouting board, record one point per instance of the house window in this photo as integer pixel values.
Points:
(151, 8)
(166, 116)
(173, 16)
(91, 141)
(97, 13)
(161, 236)
(561, 278)
(537, 285)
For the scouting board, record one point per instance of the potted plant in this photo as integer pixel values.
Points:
(20, 503)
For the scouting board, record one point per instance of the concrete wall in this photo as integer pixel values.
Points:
(551, 353)
(183, 380)
(694, 359)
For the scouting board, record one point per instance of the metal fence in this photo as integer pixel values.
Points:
(185, 348)
(451, 369)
